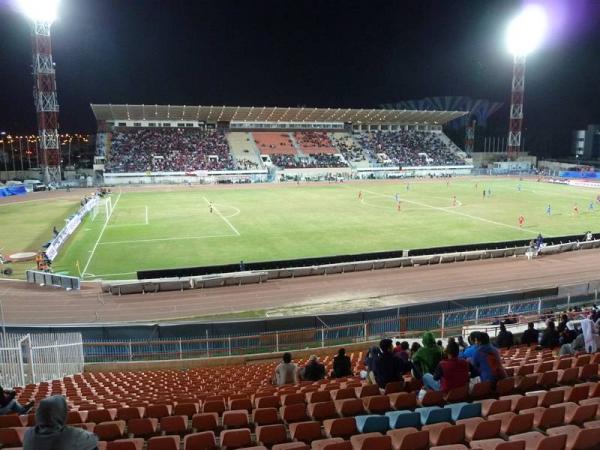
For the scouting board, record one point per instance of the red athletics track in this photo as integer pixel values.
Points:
(24, 303)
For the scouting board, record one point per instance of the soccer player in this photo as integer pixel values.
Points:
(549, 210)
(576, 209)
(398, 206)
(591, 206)
(397, 197)
(360, 195)
(210, 207)
(519, 188)
(521, 221)
(484, 193)
(454, 200)
(408, 187)
(489, 192)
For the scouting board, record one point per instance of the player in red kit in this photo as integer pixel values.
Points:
(521, 221)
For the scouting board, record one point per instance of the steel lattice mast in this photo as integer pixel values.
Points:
(46, 101)
(516, 107)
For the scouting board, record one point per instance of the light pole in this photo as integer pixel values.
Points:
(524, 34)
(42, 14)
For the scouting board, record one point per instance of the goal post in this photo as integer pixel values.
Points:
(108, 208)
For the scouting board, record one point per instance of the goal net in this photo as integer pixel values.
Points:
(103, 210)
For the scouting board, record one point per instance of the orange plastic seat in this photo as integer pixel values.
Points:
(445, 434)
(322, 410)
(200, 441)
(12, 437)
(409, 438)
(189, 409)
(110, 431)
(235, 419)
(269, 435)
(478, 429)
(351, 407)
(126, 444)
(265, 416)
(235, 438)
(343, 427)
(174, 424)
(371, 441)
(170, 442)
(535, 440)
(305, 431)
(159, 411)
(293, 413)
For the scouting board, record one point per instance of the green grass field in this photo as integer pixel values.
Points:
(155, 230)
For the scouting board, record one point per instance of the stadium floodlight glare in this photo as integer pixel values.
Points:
(40, 10)
(526, 31)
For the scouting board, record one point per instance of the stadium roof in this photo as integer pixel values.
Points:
(211, 114)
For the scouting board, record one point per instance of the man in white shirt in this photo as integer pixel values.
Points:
(286, 372)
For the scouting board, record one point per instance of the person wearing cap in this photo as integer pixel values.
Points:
(50, 431)
(387, 367)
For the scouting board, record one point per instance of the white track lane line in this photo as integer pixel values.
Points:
(452, 211)
(100, 236)
(222, 216)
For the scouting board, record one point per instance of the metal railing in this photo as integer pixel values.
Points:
(442, 323)
(32, 358)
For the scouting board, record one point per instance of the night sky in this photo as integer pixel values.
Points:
(324, 53)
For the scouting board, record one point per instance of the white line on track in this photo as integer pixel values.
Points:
(184, 238)
(452, 211)
(35, 200)
(100, 236)
(222, 216)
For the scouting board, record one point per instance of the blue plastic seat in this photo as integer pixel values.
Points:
(434, 414)
(464, 410)
(403, 419)
(372, 423)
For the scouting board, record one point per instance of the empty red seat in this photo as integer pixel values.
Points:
(445, 434)
(265, 416)
(269, 435)
(101, 415)
(403, 400)
(322, 410)
(142, 427)
(109, 431)
(371, 441)
(351, 407)
(164, 443)
(72, 417)
(12, 437)
(235, 419)
(368, 390)
(478, 429)
(331, 444)
(377, 404)
(205, 421)
(240, 403)
(318, 396)
(189, 409)
(126, 444)
(159, 411)
(305, 431)
(292, 399)
(409, 438)
(200, 441)
(174, 424)
(235, 438)
(343, 427)
(535, 440)
(514, 423)
(293, 413)
(130, 413)
(546, 417)
(577, 438)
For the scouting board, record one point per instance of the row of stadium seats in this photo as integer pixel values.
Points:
(187, 150)
(546, 402)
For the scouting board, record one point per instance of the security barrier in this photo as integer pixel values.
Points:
(254, 277)
(50, 279)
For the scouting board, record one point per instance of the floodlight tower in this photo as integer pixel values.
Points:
(42, 14)
(524, 35)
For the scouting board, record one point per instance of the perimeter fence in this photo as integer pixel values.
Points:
(443, 323)
(33, 358)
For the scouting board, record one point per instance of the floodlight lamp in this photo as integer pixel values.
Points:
(526, 31)
(40, 10)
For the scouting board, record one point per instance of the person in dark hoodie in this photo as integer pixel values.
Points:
(505, 338)
(388, 367)
(531, 335)
(372, 356)
(342, 366)
(50, 432)
(9, 405)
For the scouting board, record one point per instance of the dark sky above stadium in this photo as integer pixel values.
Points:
(325, 53)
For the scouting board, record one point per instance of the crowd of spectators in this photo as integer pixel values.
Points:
(246, 164)
(408, 148)
(313, 142)
(314, 161)
(347, 147)
(288, 372)
(168, 150)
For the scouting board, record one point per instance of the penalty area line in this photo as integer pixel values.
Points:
(184, 238)
(234, 229)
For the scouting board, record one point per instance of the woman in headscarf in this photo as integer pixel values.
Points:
(429, 355)
(50, 432)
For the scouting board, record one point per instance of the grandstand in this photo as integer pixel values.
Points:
(176, 140)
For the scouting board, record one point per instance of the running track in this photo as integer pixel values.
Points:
(26, 304)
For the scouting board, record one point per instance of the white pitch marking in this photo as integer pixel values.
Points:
(100, 236)
(91, 275)
(451, 211)
(222, 216)
(135, 241)
(146, 214)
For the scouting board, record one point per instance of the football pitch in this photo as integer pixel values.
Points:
(150, 229)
